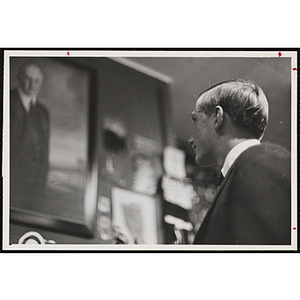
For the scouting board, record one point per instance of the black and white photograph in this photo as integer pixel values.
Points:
(127, 150)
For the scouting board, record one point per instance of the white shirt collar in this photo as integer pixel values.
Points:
(235, 152)
(26, 100)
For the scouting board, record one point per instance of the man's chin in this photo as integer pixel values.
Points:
(206, 163)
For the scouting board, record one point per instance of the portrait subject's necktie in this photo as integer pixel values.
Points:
(31, 106)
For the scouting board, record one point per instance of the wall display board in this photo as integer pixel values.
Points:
(134, 131)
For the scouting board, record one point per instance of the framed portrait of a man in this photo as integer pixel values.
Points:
(51, 155)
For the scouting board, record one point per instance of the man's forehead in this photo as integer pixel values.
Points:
(198, 103)
(32, 70)
(204, 96)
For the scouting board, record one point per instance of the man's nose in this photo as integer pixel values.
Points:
(191, 140)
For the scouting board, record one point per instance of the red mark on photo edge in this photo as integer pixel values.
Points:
(279, 54)
(68, 53)
(294, 69)
(294, 228)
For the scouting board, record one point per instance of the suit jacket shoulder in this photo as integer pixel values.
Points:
(253, 204)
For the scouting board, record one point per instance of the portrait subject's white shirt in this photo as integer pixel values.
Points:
(26, 100)
(235, 152)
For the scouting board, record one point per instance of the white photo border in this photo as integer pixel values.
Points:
(151, 53)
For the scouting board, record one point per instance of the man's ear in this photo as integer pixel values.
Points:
(218, 117)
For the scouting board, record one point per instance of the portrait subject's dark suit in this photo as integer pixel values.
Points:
(253, 203)
(29, 151)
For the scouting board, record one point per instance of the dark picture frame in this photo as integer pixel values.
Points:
(83, 223)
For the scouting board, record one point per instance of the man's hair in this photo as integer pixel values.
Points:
(244, 102)
(26, 65)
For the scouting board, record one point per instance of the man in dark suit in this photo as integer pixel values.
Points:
(29, 139)
(252, 205)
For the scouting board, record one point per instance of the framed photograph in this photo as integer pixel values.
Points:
(53, 171)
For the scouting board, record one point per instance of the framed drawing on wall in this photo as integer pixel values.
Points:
(53, 171)
(134, 215)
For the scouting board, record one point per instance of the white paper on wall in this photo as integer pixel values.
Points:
(174, 162)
